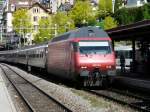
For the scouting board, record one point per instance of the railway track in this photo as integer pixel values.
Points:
(36, 99)
(137, 102)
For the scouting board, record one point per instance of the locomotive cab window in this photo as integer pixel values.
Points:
(94, 47)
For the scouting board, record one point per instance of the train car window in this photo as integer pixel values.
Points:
(75, 46)
(42, 53)
(32, 54)
(36, 54)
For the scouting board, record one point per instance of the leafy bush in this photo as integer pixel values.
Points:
(126, 16)
(109, 23)
(146, 11)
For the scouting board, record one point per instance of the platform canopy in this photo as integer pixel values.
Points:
(136, 31)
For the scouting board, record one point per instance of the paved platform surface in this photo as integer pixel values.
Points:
(6, 104)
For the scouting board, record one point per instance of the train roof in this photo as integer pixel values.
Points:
(89, 31)
(34, 46)
(25, 48)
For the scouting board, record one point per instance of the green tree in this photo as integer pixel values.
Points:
(100, 24)
(109, 5)
(128, 15)
(21, 21)
(109, 23)
(82, 14)
(146, 11)
(44, 30)
(122, 16)
(118, 3)
(62, 22)
(105, 8)
(81, 0)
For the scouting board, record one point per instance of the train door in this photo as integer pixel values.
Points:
(72, 67)
(45, 56)
(27, 58)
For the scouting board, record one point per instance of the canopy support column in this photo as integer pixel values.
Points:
(133, 50)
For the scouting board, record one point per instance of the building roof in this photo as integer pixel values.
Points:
(22, 3)
(137, 31)
(38, 4)
(65, 7)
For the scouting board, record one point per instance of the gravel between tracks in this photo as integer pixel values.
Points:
(76, 100)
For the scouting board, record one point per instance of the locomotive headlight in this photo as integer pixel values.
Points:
(83, 67)
(109, 66)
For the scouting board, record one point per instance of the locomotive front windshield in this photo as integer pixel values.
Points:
(102, 47)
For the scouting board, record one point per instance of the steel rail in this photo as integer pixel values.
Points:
(134, 105)
(28, 104)
(130, 94)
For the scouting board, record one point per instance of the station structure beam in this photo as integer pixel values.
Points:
(137, 32)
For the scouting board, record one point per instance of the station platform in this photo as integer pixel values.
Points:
(6, 104)
(133, 80)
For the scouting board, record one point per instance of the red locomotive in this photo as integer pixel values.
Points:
(84, 55)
